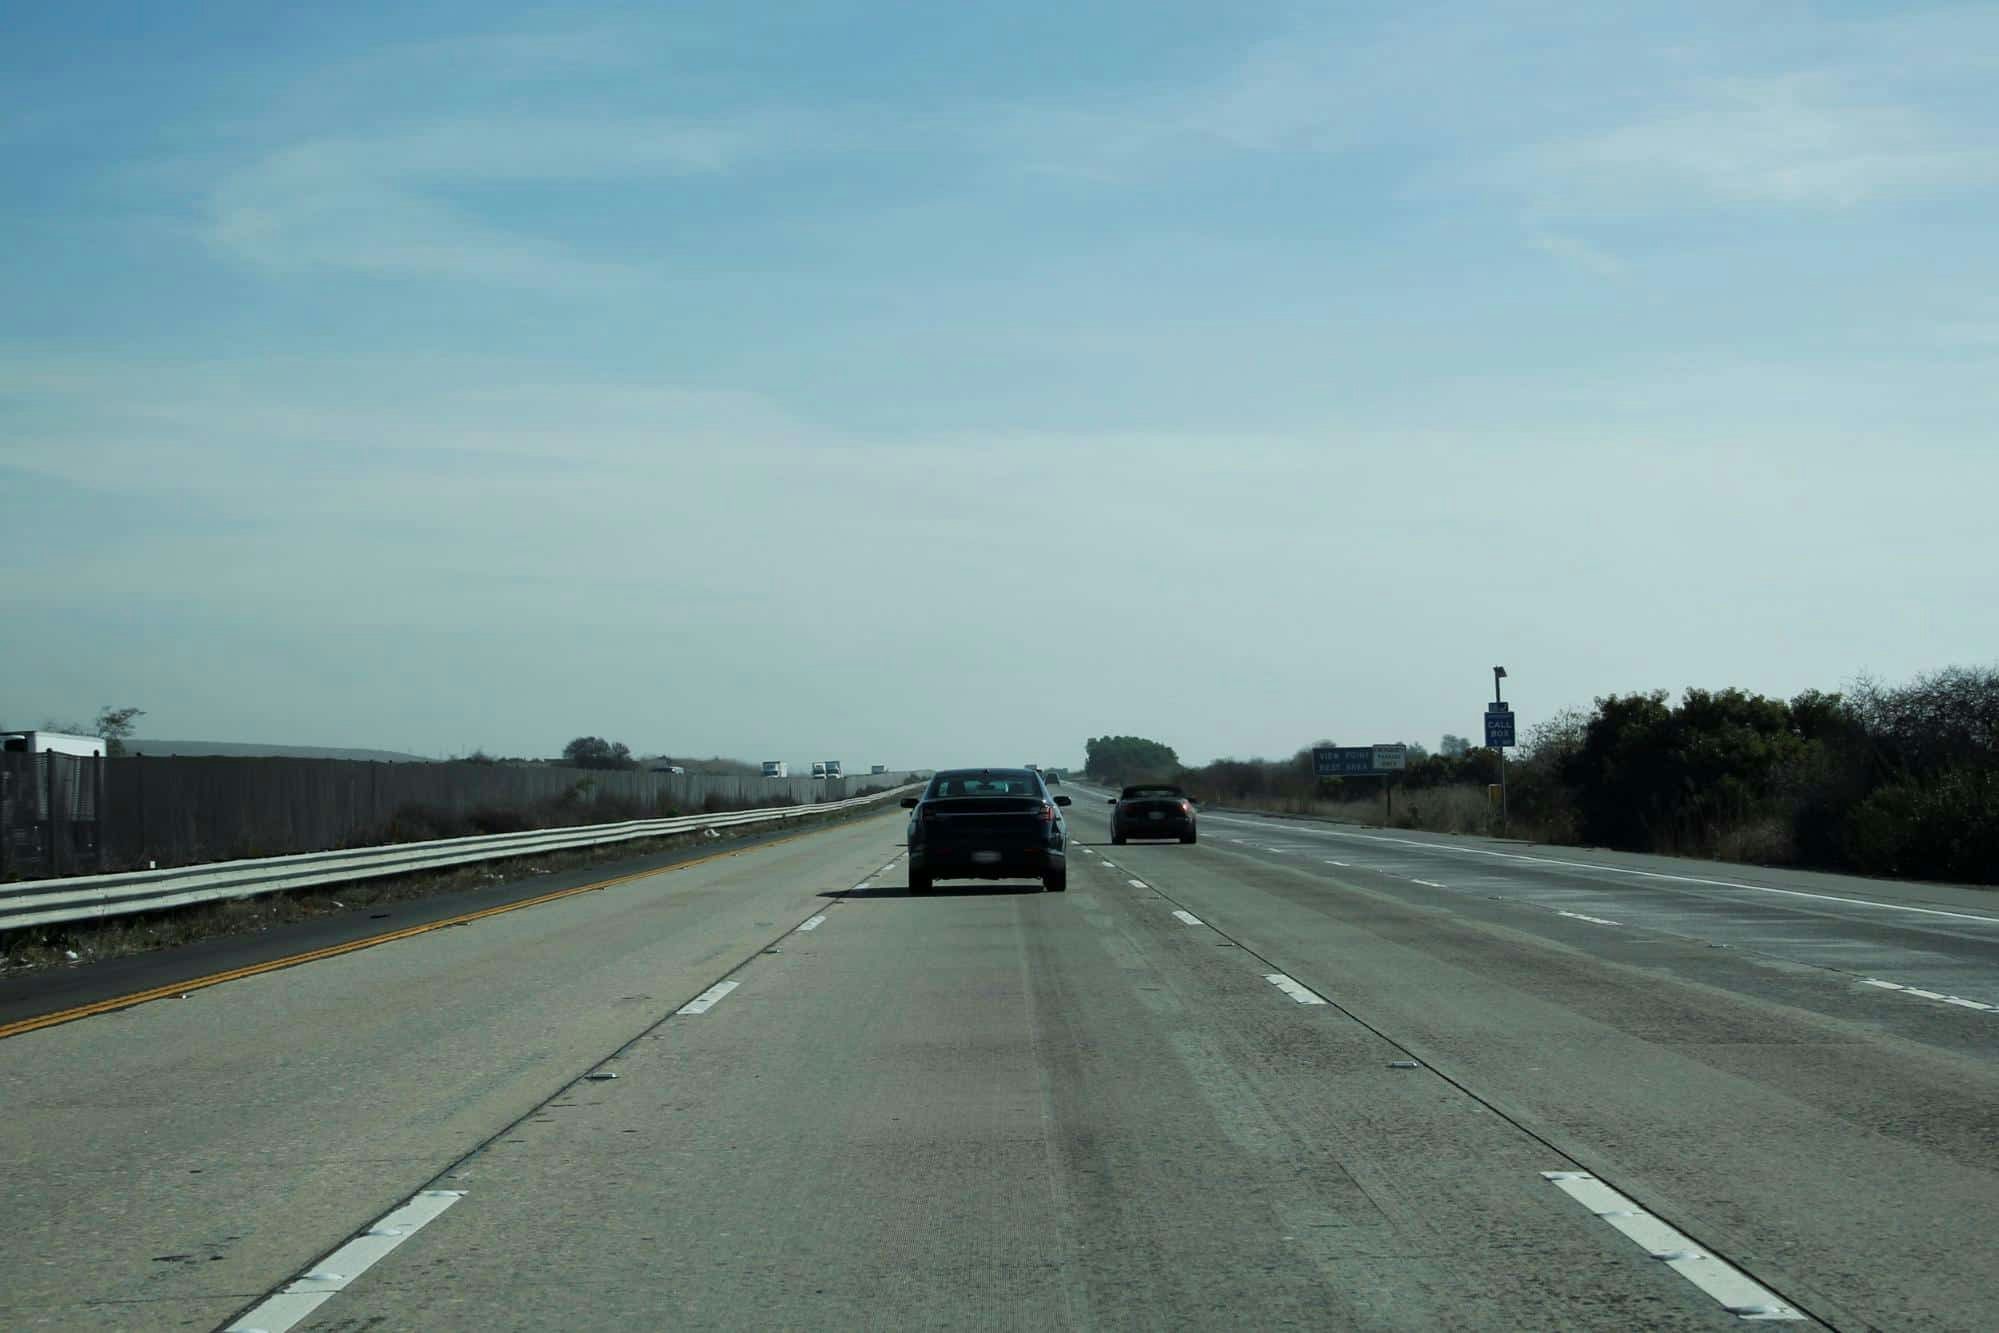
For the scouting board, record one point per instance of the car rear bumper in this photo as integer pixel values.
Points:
(1173, 826)
(968, 863)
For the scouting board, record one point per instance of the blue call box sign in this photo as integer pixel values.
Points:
(1499, 728)
(1342, 761)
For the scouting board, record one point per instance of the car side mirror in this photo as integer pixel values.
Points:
(909, 802)
(1112, 801)
(1063, 800)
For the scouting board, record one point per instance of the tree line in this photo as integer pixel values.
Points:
(1892, 780)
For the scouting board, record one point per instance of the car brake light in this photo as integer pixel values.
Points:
(1186, 807)
(1047, 813)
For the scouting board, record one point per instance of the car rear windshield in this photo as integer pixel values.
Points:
(1153, 791)
(995, 783)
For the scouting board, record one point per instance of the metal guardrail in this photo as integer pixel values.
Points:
(91, 897)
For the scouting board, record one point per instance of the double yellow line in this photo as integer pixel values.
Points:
(15, 1029)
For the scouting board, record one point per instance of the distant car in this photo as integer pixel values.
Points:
(1152, 810)
(987, 823)
(818, 769)
(1053, 777)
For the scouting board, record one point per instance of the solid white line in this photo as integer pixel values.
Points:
(1427, 883)
(1296, 991)
(1593, 920)
(1655, 874)
(1188, 917)
(708, 999)
(1884, 985)
(336, 1270)
(1138, 884)
(813, 924)
(1737, 1292)
(1336, 863)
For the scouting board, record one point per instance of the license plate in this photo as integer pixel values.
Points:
(985, 858)
(1157, 814)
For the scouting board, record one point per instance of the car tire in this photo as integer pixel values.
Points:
(919, 883)
(1117, 839)
(1056, 883)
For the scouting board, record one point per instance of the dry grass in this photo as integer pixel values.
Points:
(1432, 809)
(1764, 842)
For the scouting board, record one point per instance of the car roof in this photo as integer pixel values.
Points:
(1011, 773)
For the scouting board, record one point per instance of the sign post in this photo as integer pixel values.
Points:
(1363, 761)
(1499, 735)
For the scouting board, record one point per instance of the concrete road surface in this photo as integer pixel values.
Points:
(1294, 1076)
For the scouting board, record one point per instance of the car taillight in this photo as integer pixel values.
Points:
(1186, 807)
(1047, 813)
(927, 811)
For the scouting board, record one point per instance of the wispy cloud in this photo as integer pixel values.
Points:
(1802, 139)
(380, 203)
(1580, 253)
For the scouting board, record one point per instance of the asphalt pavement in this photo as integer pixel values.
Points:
(1296, 1076)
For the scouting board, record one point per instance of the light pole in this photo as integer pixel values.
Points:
(1499, 705)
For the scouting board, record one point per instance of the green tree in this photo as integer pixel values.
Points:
(596, 752)
(1123, 759)
(115, 726)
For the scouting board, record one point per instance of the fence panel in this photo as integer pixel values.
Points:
(49, 806)
(184, 810)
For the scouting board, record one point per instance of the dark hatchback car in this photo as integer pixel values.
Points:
(987, 823)
(1152, 810)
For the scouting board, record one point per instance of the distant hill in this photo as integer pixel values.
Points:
(238, 749)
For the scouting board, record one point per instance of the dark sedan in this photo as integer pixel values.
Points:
(987, 823)
(1152, 810)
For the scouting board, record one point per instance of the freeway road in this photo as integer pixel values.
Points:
(1296, 1076)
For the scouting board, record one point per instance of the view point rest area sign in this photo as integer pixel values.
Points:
(1353, 761)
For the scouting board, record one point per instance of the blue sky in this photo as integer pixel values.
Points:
(781, 378)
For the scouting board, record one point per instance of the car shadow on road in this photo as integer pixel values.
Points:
(972, 890)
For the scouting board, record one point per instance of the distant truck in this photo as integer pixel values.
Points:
(51, 742)
(833, 769)
(776, 768)
(877, 768)
(818, 768)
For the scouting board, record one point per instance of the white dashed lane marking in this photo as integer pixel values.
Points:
(1302, 994)
(1593, 920)
(708, 999)
(1737, 1292)
(1427, 883)
(333, 1273)
(1138, 884)
(1957, 1000)
(1188, 917)
(814, 923)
